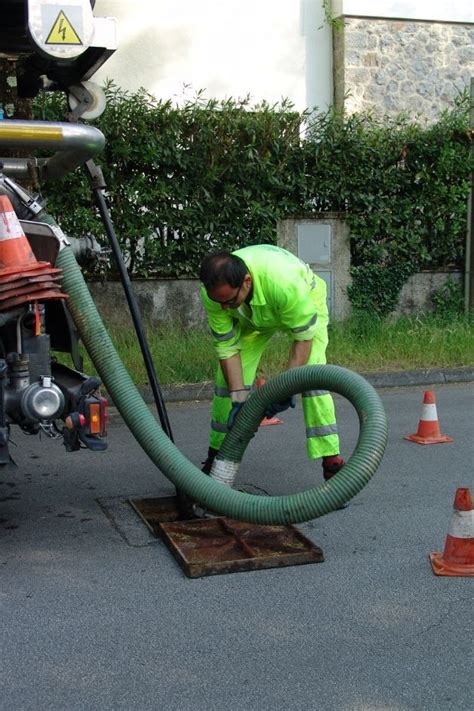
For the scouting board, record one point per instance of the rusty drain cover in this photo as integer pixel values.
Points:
(221, 545)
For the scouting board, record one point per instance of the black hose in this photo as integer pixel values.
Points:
(98, 186)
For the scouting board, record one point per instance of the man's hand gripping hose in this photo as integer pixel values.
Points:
(238, 398)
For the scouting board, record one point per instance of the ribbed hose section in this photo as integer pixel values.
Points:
(366, 456)
(188, 478)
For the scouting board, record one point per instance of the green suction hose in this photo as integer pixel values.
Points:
(277, 510)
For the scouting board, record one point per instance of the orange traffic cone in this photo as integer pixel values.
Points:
(267, 420)
(15, 249)
(22, 278)
(428, 427)
(457, 558)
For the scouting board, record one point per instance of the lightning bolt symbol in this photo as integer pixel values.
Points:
(62, 29)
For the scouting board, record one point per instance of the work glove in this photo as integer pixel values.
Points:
(238, 398)
(276, 407)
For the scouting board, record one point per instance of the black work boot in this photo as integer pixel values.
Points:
(207, 465)
(331, 465)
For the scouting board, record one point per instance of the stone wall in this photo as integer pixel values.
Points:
(391, 66)
(168, 302)
(415, 296)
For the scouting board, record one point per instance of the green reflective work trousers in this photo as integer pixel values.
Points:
(318, 406)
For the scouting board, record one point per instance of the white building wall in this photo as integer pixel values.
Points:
(270, 49)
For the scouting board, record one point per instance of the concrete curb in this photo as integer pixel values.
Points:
(406, 378)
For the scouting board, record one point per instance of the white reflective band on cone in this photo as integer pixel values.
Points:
(462, 524)
(224, 472)
(429, 413)
(11, 228)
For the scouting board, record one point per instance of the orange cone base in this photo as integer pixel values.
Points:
(442, 567)
(440, 439)
(270, 421)
(43, 295)
(11, 272)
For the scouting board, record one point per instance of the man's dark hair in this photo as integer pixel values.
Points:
(222, 268)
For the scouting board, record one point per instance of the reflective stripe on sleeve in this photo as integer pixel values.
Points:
(322, 431)
(221, 392)
(225, 392)
(310, 323)
(223, 336)
(315, 393)
(218, 426)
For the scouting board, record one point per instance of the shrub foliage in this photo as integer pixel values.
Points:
(183, 181)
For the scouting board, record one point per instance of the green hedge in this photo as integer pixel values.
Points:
(210, 175)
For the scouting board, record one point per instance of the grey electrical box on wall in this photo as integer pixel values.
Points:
(314, 248)
(322, 241)
(314, 243)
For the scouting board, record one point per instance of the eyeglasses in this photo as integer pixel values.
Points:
(230, 302)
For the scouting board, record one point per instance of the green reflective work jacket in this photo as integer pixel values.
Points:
(287, 296)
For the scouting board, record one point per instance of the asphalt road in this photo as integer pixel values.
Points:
(96, 614)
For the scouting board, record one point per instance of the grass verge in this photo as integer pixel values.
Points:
(363, 344)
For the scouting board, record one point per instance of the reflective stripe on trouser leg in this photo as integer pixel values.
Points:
(322, 439)
(252, 345)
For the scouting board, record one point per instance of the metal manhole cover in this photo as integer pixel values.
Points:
(221, 545)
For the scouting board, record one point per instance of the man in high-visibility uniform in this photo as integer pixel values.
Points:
(249, 295)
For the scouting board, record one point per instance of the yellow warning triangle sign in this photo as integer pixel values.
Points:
(62, 32)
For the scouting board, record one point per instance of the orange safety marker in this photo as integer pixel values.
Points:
(457, 558)
(37, 319)
(428, 427)
(267, 420)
